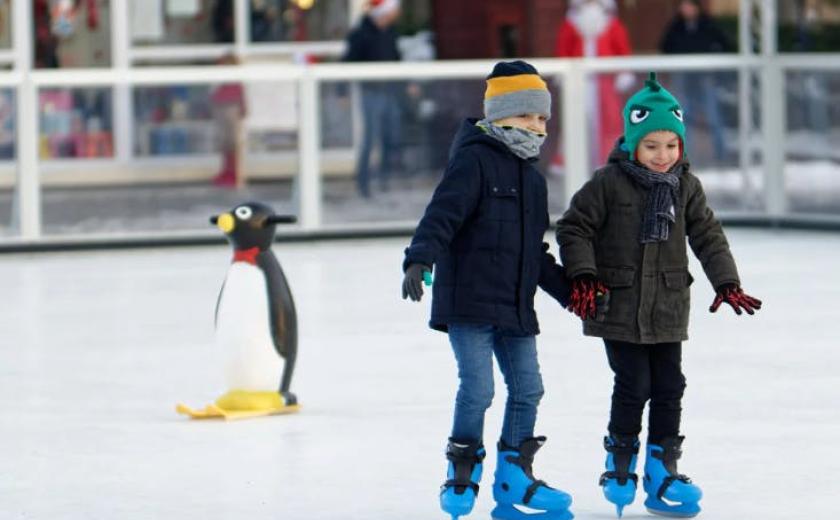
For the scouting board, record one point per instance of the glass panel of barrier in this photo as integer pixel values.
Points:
(75, 123)
(710, 105)
(812, 141)
(399, 140)
(8, 170)
(199, 150)
(173, 120)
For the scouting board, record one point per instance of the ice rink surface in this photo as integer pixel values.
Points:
(97, 347)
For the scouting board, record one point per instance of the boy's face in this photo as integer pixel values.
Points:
(659, 151)
(533, 122)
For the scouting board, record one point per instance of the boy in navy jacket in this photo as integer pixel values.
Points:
(483, 233)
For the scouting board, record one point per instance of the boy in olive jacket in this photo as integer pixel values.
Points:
(622, 242)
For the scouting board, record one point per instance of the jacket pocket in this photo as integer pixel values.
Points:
(673, 300)
(617, 277)
(504, 203)
(677, 279)
(621, 309)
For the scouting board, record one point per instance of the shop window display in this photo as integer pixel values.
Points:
(71, 33)
(298, 20)
(172, 22)
(5, 24)
(75, 123)
(178, 120)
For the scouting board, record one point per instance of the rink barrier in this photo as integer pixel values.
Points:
(569, 74)
(92, 242)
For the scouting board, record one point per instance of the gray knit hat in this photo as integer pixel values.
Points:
(514, 88)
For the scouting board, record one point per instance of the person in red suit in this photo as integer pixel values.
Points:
(591, 28)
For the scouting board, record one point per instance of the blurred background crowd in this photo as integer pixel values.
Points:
(383, 140)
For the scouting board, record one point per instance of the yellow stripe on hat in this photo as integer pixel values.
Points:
(507, 84)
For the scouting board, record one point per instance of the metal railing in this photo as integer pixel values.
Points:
(570, 75)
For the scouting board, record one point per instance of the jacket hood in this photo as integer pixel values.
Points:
(469, 134)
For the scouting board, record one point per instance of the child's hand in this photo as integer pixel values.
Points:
(412, 286)
(736, 298)
(587, 292)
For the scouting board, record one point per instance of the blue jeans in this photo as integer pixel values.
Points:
(474, 347)
(381, 112)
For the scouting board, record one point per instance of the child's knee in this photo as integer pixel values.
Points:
(636, 390)
(476, 396)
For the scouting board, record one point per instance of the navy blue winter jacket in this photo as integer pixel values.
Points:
(367, 42)
(483, 232)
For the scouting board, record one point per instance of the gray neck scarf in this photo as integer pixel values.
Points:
(663, 192)
(523, 143)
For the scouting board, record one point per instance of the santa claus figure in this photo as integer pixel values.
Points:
(591, 28)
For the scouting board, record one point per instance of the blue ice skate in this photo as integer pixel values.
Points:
(516, 487)
(457, 494)
(669, 493)
(619, 481)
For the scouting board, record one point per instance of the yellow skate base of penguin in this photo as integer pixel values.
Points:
(242, 404)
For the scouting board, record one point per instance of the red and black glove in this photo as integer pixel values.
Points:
(586, 292)
(736, 298)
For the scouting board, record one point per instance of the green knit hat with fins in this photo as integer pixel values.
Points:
(648, 110)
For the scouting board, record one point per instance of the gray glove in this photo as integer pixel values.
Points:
(412, 286)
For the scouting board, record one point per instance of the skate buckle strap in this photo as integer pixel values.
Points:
(621, 476)
(460, 486)
(668, 481)
(464, 458)
(532, 489)
(617, 447)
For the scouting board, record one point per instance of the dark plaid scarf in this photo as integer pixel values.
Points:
(663, 193)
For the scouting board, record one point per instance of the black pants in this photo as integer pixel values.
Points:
(642, 373)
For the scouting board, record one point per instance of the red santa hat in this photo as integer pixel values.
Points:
(383, 7)
(609, 5)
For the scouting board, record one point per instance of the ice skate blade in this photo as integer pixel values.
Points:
(620, 500)
(672, 514)
(657, 507)
(508, 512)
(457, 505)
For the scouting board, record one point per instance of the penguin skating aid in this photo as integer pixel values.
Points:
(256, 321)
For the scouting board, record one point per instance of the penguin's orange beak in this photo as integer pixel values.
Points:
(226, 223)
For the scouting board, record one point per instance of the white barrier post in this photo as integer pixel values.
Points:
(28, 185)
(309, 151)
(121, 61)
(745, 83)
(773, 121)
(575, 131)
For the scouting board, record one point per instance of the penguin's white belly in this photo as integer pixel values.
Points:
(243, 331)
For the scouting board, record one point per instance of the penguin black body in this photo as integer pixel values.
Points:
(250, 228)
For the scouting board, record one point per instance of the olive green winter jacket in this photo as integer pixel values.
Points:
(649, 283)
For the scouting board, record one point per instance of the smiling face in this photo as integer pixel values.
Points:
(659, 151)
(532, 122)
